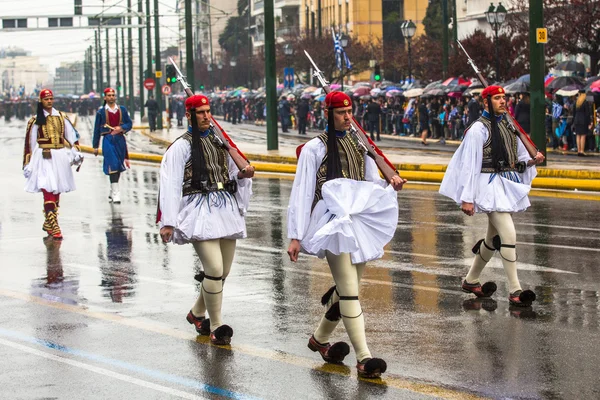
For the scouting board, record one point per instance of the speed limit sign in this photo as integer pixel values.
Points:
(166, 89)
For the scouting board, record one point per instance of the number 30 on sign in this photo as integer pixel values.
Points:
(541, 35)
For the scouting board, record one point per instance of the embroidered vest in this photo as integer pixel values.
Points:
(352, 158)
(509, 141)
(217, 170)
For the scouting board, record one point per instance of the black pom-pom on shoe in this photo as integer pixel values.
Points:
(337, 352)
(527, 296)
(371, 368)
(489, 288)
(222, 335)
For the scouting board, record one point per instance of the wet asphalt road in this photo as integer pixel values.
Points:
(102, 314)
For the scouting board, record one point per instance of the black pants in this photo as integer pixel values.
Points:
(114, 178)
(374, 126)
(152, 121)
(302, 126)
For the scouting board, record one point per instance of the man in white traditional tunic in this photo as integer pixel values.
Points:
(51, 148)
(342, 210)
(203, 199)
(491, 172)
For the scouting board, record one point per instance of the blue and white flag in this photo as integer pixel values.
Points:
(339, 52)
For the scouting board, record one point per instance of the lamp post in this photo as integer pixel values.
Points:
(408, 29)
(495, 17)
(288, 50)
(343, 43)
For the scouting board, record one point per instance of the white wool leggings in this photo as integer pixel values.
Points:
(216, 256)
(347, 278)
(501, 224)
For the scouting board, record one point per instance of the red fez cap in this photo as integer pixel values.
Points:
(196, 101)
(45, 94)
(337, 100)
(109, 90)
(492, 91)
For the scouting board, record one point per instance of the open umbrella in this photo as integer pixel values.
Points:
(517, 87)
(562, 81)
(361, 91)
(472, 91)
(592, 82)
(525, 78)
(413, 93)
(393, 92)
(570, 65)
(434, 92)
(375, 92)
(456, 81)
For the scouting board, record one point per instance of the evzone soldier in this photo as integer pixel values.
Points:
(112, 123)
(51, 148)
(337, 188)
(491, 173)
(203, 200)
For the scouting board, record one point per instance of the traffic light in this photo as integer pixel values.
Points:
(202, 87)
(377, 73)
(171, 74)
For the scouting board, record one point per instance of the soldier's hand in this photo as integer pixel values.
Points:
(397, 182)
(468, 208)
(118, 130)
(96, 152)
(247, 172)
(294, 249)
(127, 164)
(166, 233)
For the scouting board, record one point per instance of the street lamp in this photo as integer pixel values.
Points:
(408, 29)
(495, 17)
(288, 50)
(343, 43)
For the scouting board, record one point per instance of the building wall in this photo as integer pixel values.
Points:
(69, 78)
(471, 16)
(23, 70)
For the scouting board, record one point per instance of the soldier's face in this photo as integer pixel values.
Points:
(342, 118)
(47, 103)
(203, 117)
(498, 103)
(110, 98)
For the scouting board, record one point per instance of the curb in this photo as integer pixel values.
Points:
(412, 172)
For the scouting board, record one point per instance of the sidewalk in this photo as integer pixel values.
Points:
(415, 162)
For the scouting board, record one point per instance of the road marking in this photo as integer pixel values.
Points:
(390, 380)
(99, 370)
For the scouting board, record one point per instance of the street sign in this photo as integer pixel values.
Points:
(149, 83)
(541, 35)
(288, 78)
(166, 89)
(158, 74)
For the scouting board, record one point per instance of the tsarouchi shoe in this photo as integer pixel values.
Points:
(331, 353)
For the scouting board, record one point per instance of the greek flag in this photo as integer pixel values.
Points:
(339, 52)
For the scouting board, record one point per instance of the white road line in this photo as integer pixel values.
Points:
(101, 371)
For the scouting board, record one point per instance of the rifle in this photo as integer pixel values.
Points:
(385, 166)
(236, 155)
(512, 124)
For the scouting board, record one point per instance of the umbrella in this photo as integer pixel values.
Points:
(562, 81)
(310, 89)
(335, 86)
(317, 92)
(455, 94)
(567, 92)
(365, 97)
(306, 96)
(455, 81)
(433, 84)
(517, 87)
(435, 92)
(592, 82)
(321, 98)
(573, 66)
(375, 92)
(472, 91)
(387, 89)
(361, 91)
(413, 93)
(525, 78)
(393, 92)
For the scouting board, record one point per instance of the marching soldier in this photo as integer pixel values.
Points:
(112, 123)
(51, 148)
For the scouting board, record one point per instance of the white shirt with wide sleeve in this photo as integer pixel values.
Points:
(321, 230)
(52, 174)
(464, 181)
(196, 217)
